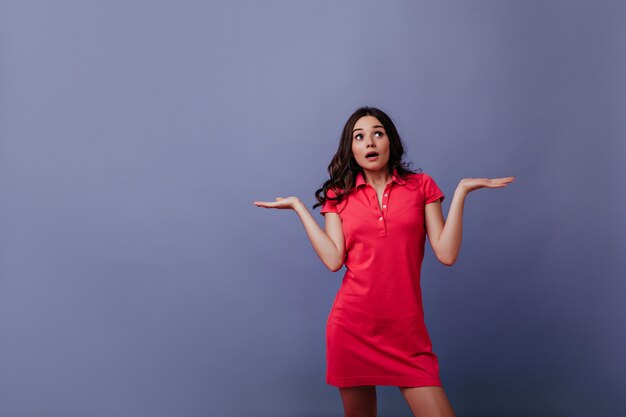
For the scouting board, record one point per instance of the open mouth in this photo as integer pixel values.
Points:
(371, 155)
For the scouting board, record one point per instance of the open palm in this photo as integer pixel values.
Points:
(471, 184)
(280, 203)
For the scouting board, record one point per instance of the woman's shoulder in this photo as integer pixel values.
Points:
(334, 192)
(420, 176)
(337, 194)
(336, 198)
(419, 181)
(415, 179)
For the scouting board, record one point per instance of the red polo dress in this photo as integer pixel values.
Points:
(375, 332)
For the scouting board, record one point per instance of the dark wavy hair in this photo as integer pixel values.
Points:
(343, 168)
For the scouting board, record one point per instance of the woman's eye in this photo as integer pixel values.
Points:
(360, 136)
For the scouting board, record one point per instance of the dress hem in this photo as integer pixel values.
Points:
(395, 381)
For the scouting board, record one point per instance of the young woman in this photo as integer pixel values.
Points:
(377, 213)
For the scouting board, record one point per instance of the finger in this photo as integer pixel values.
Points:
(504, 182)
(500, 181)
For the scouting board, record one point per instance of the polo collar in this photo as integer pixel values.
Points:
(360, 179)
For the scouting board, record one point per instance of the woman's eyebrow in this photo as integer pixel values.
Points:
(373, 127)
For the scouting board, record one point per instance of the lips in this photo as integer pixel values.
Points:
(371, 154)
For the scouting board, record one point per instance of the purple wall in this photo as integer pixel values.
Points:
(138, 279)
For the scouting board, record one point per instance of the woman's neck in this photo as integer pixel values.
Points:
(377, 178)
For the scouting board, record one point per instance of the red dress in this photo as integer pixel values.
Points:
(375, 333)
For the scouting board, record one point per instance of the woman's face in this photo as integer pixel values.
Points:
(370, 138)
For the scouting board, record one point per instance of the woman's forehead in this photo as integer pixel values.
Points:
(367, 122)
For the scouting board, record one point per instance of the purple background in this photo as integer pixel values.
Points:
(138, 279)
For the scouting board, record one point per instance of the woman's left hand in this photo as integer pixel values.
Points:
(471, 184)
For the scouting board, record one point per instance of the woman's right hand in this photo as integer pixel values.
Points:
(280, 203)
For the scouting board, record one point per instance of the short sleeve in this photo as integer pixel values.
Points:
(330, 206)
(431, 190)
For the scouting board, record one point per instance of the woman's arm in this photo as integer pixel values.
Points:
(329, 244)
(445, 236)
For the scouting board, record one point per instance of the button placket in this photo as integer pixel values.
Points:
(383, 212)
(380, 212)
(386, 199)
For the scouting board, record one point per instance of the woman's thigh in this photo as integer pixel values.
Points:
(359, 401)
(427, 401)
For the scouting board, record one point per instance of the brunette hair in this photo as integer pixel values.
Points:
(343, 168)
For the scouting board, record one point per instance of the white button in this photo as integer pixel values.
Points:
(385, 194)
(384, 205)
(380, 218)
